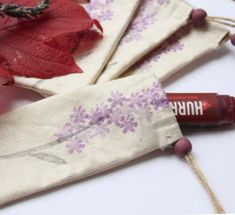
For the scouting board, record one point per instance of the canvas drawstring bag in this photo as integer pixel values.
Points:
(181, 49)
(71, 136)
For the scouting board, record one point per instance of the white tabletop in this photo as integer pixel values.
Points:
(160, 183)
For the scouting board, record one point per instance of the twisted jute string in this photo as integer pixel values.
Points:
(222, 20)
(218, 208)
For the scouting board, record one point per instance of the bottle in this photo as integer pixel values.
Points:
(203, 109)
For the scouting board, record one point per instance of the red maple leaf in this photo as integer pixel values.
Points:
(28, 47)
(5, 76)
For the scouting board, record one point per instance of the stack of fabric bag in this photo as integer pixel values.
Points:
(116, 110)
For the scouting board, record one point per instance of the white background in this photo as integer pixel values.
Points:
(160, 183)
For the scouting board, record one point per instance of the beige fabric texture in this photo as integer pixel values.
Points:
(48, 143)
(154, 22)
(93, 61)
(183, 48)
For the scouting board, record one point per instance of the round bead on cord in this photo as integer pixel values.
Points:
(199, 17)
(232, 38)
(183, 148)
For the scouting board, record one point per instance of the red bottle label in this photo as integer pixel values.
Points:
(195, 108)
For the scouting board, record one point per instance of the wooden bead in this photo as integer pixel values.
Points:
(198, 17)
(182, 147)
(232, 38)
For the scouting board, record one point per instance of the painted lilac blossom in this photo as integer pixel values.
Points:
(99, 114)
(117, 99)
(120, 111)
(172, 45)
(128, 123)
(79, 115)
(75, 146)
(100, 9)
(136, 100)
(115, 117)
(144, 19)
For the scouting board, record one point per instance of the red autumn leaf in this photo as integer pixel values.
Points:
(28, 46)
(62, 16)
(5, 77)
(32, 58)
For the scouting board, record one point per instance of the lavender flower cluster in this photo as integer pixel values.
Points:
(173, 44)
(144, 19)
(119, 111)
(100, 9)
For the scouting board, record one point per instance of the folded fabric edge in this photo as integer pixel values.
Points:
(177, 10)
(215, 41)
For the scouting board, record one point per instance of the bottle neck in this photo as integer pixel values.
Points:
(203, 109)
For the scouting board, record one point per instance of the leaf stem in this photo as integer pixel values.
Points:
(19, 11)
(41, 147)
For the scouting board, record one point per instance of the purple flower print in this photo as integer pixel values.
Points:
(144, 19)
(100, 9)
(75, 147)
(156, 57)
(65, 133)
(117, 99)
(128, 123)
(171, 45)
(176, 46)
(121, 111)
(101, 130)
(157, 89)
(115, 117)
(99, 114)
(135, 100)
(148, 94)
(79, 115)
(146, 64)
(163, 1)
(86, 135)
(160, 104)
(85, 125)
(105, 15)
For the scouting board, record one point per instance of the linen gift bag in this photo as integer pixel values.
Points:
(114, 16)
(71, 136)
(181, 49)
(155, 21)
